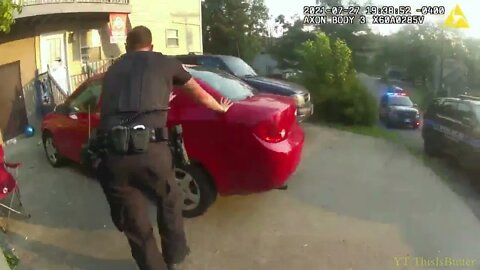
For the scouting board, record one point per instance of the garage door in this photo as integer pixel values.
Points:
(13, 116)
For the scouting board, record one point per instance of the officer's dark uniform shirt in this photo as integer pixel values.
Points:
(140, 82)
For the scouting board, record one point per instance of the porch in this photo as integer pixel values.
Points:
(89, 69)
(34, 8)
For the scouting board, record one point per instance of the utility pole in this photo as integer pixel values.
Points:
(441, 61)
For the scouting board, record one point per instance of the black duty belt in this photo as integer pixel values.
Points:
(156, 134)
(130, 140)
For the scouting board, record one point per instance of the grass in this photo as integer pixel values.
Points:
(11, 258)
(372, 131)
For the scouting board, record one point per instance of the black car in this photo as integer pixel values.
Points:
(398, 110)
(452, 126)
(242, 70)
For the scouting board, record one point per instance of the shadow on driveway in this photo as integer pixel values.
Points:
(375, 180)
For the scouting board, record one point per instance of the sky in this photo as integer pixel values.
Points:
(471, 9)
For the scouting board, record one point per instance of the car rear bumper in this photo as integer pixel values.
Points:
(270, 166)
(415, 122)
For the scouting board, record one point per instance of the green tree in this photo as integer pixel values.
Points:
(416, 48)
(347, 32)
(328, 73)
(293, 34)
(234, 27)
(7, 11)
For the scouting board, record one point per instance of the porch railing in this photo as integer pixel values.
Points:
(41, 2)
(90, 69)
(51, 92)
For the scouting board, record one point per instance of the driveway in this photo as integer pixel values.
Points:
(355, 203)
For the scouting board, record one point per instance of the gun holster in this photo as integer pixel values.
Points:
(177, 146)
(126, 140)
(93, 151)
(134, 140)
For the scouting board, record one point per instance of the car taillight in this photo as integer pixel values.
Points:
(277, 129)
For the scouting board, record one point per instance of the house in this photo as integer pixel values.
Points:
(67, 40)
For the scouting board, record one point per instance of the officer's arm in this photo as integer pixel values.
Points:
(184, 79)
(201, 96)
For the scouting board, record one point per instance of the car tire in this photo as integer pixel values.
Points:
(197, 187)
(431, 148)
(51, 152)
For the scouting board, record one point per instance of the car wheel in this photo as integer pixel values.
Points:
(55, 159)
(431, 149)
(199, 192)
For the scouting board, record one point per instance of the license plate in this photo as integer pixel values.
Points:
(408, 121)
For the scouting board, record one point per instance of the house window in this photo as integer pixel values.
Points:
(90, 46)
(172, 38)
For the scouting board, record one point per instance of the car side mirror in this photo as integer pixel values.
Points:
(415, 105)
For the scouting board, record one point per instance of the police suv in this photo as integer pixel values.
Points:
(452, 127)
(398, 110)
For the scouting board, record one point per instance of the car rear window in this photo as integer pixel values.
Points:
(239, 67)
(400, 101)
(226, 84)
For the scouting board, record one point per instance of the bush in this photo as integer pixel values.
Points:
(351, 105)
(337, 94)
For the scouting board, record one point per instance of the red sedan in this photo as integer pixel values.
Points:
(254, 147)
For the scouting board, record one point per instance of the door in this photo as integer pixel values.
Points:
(13, 114)
(466, 126)
(84, 117)
(201, 126)
(448, 123)
(53, 58)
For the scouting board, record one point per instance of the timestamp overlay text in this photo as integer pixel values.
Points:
(319, 15)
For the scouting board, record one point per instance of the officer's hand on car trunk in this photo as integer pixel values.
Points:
(226, 103)
(203, 97)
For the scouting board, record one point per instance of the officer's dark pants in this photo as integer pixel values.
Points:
(127, 182)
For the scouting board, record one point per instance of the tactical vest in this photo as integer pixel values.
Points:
(139, 82)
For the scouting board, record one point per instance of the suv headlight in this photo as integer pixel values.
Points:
(299, 99)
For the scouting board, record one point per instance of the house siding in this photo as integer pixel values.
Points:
(184, 16)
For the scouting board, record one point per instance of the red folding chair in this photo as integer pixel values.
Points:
(9, 187)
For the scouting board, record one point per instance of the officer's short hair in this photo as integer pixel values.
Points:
(139, 37)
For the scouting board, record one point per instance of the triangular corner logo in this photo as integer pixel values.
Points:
(456, 19)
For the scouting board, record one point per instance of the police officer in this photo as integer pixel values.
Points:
(134, 102)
